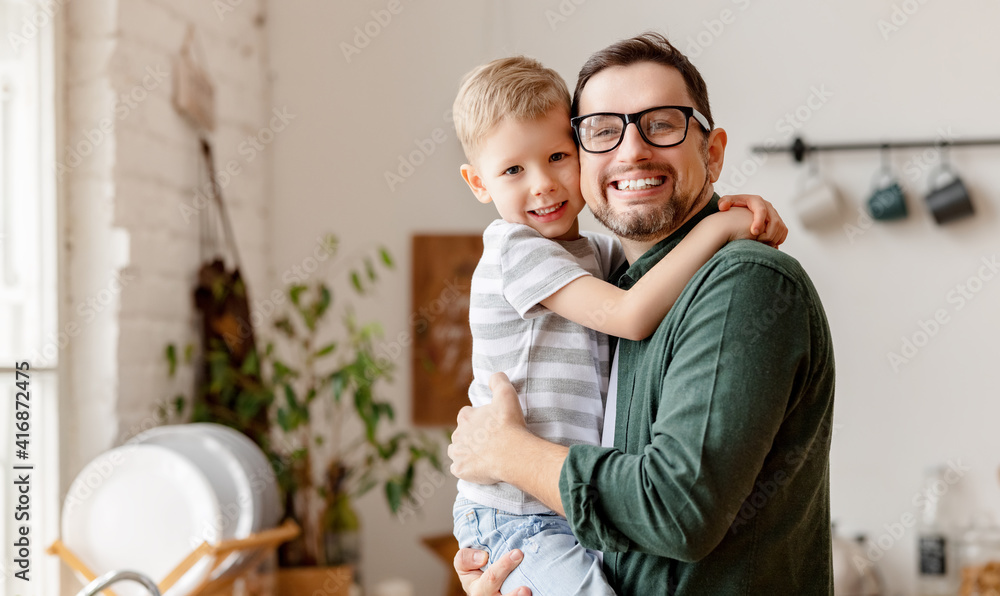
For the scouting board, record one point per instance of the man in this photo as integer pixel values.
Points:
(718, 480)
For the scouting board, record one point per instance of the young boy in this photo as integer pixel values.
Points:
(540, 309)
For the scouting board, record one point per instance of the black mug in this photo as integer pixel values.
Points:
(948, 199)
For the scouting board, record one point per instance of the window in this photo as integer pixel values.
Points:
(29, 296)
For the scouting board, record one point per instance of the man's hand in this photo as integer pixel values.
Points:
(767, 226)
(480, 442)
(475, 582)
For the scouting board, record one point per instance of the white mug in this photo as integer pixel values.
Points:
(817, 203)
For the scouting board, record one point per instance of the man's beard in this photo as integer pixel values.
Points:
(649, 222)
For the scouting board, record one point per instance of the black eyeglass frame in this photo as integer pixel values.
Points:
(688, 111)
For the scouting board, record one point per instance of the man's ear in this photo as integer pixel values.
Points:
(716, 152)
(475, 183)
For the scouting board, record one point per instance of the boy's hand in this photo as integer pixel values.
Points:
(767, 226)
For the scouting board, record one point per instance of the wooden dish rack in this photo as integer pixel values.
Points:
(260, 545)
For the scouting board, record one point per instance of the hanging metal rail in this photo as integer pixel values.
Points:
(799, 149)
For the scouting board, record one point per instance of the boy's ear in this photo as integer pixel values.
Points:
(475, 183)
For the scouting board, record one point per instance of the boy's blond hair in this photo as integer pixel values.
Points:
(517, 87)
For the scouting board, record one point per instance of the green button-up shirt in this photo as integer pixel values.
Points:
(719, 480)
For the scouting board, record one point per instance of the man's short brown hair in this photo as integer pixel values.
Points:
(517, 87)
(647, 47)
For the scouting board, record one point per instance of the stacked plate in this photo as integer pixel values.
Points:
(146, 505)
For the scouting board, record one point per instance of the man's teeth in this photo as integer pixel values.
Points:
(548, 210)
(640, 184)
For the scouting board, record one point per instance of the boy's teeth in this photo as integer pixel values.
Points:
(639, 184)
(548, 210)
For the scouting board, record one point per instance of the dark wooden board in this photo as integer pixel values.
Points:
(439, 323)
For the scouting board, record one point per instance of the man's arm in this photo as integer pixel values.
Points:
(493, 444)
(740, 349)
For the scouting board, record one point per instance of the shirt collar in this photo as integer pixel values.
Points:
(659, 250)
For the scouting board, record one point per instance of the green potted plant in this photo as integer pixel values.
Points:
(329, 436)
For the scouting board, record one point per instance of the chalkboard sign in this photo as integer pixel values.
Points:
(442, 343)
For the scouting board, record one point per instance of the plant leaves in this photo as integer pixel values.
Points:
(284, 324)
(295, 292)
(338, 383)
(387, 450)
(394, 493)
(283, 420)
(363, 405)
(325, 299)
(386, 257)
(171, 354)
(327, 349)
(330, 244)
(365, 484)
(282, 372)
(251, 366)
(290, 398)
(201, 413)
(383, 409)
(219, 374)
(219, 290)
(247, 406)
(310, 370)
(308, 316)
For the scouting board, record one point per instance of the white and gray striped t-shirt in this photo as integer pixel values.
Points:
(559, 368)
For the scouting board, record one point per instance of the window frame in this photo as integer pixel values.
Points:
(38, 76)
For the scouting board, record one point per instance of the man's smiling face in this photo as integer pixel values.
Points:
(641, 192)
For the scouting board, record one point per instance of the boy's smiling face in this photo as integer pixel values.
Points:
(531, 172)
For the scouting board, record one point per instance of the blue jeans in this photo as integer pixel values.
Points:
(554, 562)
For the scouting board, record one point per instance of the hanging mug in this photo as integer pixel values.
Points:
(948, 198)
(887, 201)
(817, 203)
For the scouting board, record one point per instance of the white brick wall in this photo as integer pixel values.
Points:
(127, 193)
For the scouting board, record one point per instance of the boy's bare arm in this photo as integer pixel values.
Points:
(634, 314)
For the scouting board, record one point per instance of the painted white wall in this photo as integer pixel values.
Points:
(355, 120)
(361, 112)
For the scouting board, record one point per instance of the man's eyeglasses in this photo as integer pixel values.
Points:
(663, 126)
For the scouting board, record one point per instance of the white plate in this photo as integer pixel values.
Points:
(142, 508)
(263, 483)
(224, 471)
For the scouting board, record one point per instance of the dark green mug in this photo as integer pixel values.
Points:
(887, 203)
